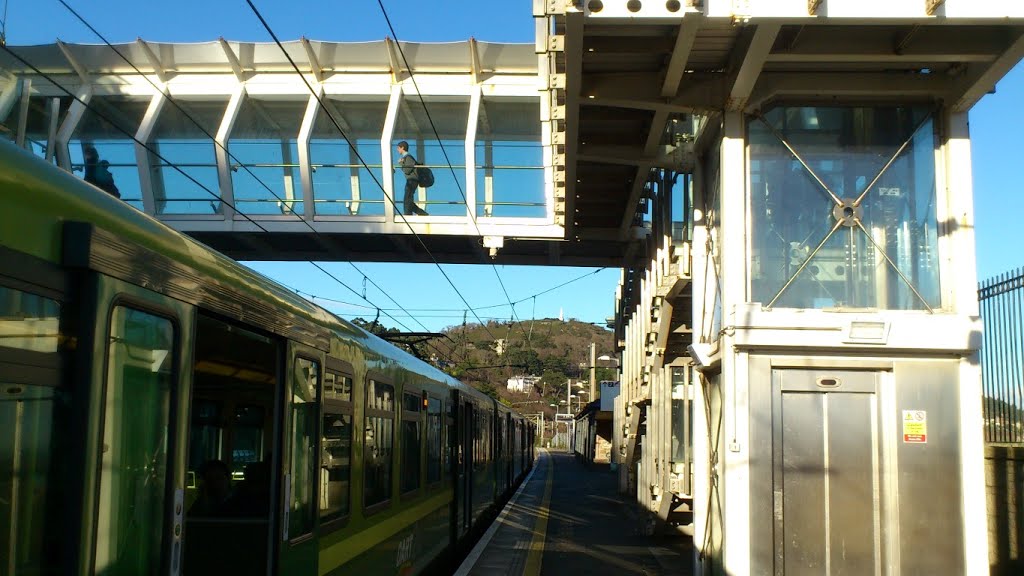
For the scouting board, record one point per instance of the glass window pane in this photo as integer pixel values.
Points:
(204, 439)
(43, 113)
(265, 163)
(446, 156)
(336, 465)
(113, 166)
(182, 137)
(28, 321)
(410, 455)
(133, 473)
(28, 477)
(433, 440)
(342, 185)
(247, 439)
(378, 443)
(509, 167)
(411, 402)
(851, 221)
(337, 387)
(304, 414)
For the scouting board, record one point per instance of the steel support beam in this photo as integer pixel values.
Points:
(154, 61)
(227, 191)
(982, 79)
(23, 106)
(471, 125)
(305, 164)
(680, 54)
(753, 62)
(83, 74)
(63, 137)
(387, 160)
(53, 115)
(143, 158)
(314, 62)
(236, 66)
(573, 94)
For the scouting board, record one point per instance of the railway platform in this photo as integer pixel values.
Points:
(568, 518)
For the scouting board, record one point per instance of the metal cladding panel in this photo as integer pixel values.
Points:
(804, 515)
(929, 470)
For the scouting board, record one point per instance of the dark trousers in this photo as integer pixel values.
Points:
(410, 198)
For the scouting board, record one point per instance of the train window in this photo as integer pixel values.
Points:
(378, 442)
(206, 434)
(305, 382)
(32, 416)
(337, 387)
(336, 447)
(30, 322)
(411, 441)
(133, 470)
(434, 446)
(246, 438)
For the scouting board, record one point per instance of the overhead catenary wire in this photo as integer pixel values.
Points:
(170, 99)
(167, 162)
(433, 127)
(478, 308)
(355, 152)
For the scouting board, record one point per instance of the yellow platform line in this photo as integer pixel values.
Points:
(540, 529)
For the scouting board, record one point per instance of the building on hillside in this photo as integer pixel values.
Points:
(522, 383)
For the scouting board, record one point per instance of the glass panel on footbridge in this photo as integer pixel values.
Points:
(342, 184)
(42, 119)
(509, 159)
(436, 132)
(185, 181)
(843, 208)
(265, 157)
(101, 150)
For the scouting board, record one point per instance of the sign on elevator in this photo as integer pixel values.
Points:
(915, 427)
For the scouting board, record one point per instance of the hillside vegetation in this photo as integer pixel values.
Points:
(486, 356)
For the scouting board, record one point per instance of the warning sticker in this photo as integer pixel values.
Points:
(915, 427)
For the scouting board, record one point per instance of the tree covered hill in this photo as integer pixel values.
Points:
(485, 356)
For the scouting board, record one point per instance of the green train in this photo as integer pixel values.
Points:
(165, 410)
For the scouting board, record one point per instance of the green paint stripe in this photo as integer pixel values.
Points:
(334, 556)
(534, 560)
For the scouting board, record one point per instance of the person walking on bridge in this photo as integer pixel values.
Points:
(412, 180)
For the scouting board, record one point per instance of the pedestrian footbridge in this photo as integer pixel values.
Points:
(269, 152)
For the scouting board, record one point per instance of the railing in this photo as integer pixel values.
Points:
(1002, 357)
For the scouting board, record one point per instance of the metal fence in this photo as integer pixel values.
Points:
(1002, 351)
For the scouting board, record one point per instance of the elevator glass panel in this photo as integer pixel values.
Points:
(843, 208)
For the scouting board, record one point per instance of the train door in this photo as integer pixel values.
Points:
(36, 442)
(466, 456)
(299, 461)
(137, 360)
(232, 449)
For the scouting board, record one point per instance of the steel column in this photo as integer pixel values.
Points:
(143, 158)
(227, 194)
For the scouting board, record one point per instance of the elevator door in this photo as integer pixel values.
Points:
(827, 472)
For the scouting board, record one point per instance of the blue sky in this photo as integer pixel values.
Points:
(995, 124)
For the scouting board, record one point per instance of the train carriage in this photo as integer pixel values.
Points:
(165, 410)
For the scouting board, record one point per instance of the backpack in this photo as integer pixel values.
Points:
(425, 176)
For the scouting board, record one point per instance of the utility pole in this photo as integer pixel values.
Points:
(593, 371)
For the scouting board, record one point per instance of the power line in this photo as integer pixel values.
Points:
(166, 94)
(488, 307)
(472, 216)
(355, 151)
(117, 127)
